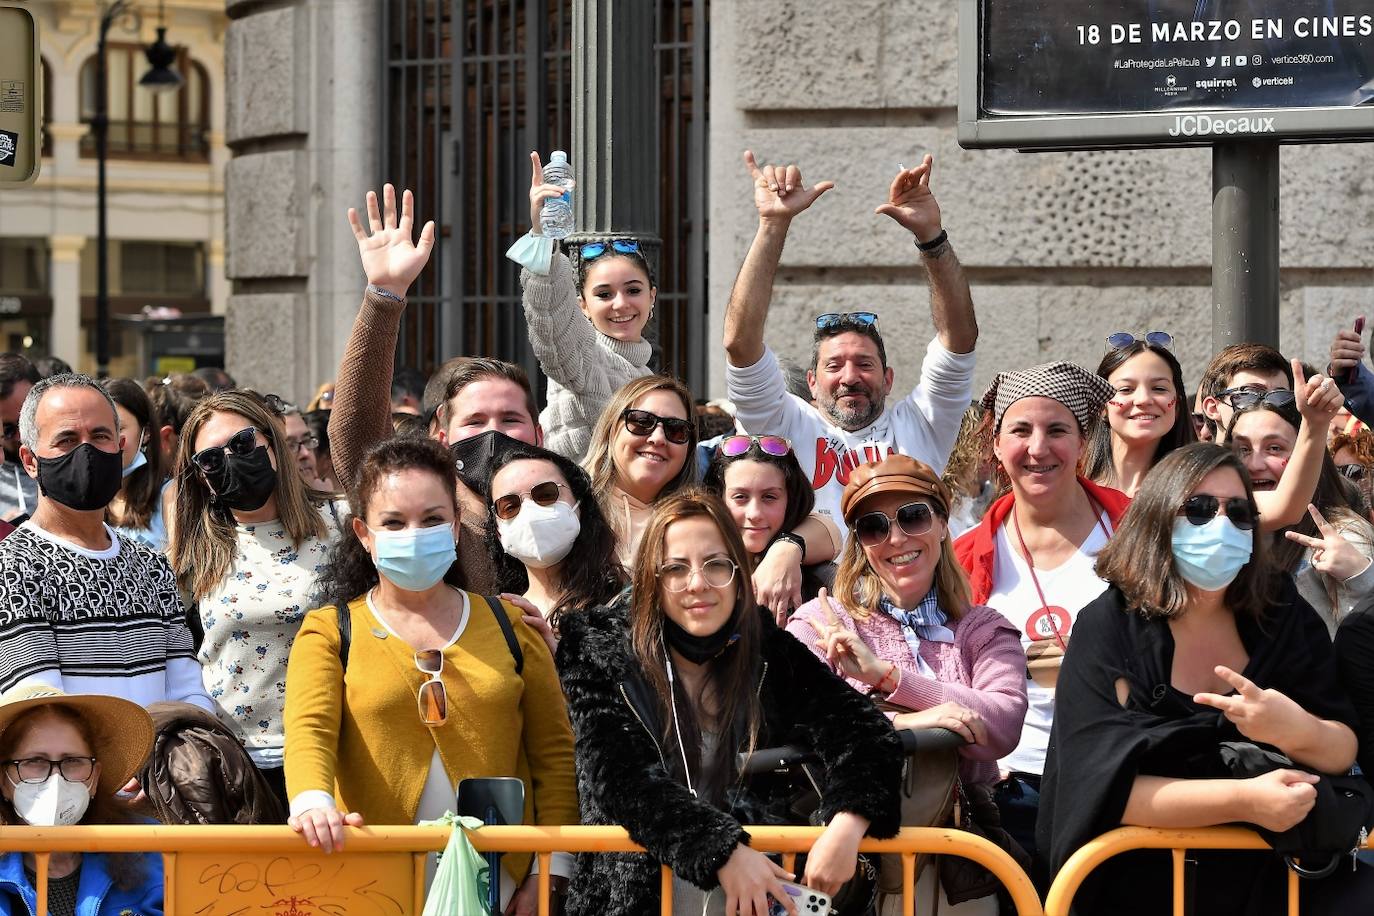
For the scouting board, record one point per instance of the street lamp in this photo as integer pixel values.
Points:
(160, 78)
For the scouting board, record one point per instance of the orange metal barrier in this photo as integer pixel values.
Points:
(270, 871)
(1126, 839)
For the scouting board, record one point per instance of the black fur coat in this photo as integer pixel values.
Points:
(622, 777)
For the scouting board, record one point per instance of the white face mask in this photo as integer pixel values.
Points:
(540, 536)
(52, 803)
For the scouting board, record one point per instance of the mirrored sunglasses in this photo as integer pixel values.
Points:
(734, 446)
(594, 250)
(832, 320)
(1119, 340)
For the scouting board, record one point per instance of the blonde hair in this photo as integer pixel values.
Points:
(600, 461)
(859, 589)
(201, 548)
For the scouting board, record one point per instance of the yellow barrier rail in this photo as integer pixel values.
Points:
(1128, 839)
(270, 871)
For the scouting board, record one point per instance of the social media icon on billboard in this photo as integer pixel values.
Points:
(1226, 60)
(1256, 60)
(1241, 60)
(1211, 61)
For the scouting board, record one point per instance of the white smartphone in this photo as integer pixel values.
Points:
(809, 902)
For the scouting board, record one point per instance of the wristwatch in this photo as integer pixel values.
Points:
(790, 537)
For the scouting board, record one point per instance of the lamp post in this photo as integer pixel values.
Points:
(160, 77)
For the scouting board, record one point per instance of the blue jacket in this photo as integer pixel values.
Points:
(96, 892)
(1359, 395)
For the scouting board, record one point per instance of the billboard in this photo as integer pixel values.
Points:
(21, 98)
(1062, 74)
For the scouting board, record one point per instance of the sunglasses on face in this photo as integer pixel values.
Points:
(211, 460)
(643, 423)
(717, 573)
(1201, 509)
(874, 528)
(593, 250)
(433, 697)
(832, 320)
(1119, 340)
(543, 494)
(1247, 397)
(1353, 471)
(734, 446)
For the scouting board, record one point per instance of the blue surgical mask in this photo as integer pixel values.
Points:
(140, 459)
(414, 559)
(1210, 556)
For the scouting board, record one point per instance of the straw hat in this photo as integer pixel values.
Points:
(122, 730)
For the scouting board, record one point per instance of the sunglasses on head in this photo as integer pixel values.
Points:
(1202, 508)
(543, 494)
(642, 423)
(1119, 340)
(874, 528)
(832, 320)
(1353, 471)
(1246, 397)
(242, 443)
(593, 250)
(734, 446)
(433, 698)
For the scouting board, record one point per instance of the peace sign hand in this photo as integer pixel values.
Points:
(845, 650)
(1264, 716)
(390, 259)
(1332, 554)
(779, 193)
(911, 204)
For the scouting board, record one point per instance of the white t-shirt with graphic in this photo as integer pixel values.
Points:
(1068, 588)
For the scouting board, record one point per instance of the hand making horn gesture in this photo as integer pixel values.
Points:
(779, 193)
(911, 203)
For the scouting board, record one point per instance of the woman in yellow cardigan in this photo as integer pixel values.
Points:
(434, 686)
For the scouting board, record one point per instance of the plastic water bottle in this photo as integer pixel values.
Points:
(556, 217)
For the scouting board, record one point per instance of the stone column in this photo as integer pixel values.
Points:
(615, 136)
(64, 335)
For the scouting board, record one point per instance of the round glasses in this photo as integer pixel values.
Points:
(544, 494)
(242, 443)
(717, 573)
(1202, 508)
(643, 423)
(38, 769)
(734, 446)
(874, 528)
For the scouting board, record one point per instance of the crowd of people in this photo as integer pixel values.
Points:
(1114, 592)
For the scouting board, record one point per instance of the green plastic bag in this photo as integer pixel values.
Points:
(460, 883)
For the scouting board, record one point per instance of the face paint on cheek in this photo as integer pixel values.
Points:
(1169, 405)
(1283, 463)
(1120, 405)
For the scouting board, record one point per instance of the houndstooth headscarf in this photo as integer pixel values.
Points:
(1082, 392)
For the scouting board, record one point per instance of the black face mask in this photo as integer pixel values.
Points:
(474, 457)
(246, 481)
(701, 649)
(84, 479)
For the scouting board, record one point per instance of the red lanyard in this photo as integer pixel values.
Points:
(1030, 565)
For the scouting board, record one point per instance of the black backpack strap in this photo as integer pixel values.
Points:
(508, 631)
(345, 632)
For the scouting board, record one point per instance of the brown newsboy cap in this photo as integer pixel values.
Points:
(894, 474)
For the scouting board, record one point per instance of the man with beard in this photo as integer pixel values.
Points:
(18, 491)
(850, 380)
(86, 609)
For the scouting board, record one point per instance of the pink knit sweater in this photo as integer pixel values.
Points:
(984, 669)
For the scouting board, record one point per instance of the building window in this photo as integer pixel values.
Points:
(23, 265)
(150, 272)
(146, 124)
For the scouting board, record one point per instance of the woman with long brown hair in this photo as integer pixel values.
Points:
(137, 509)
(247, 545)
(663, 696)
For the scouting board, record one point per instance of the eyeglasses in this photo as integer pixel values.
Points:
(310, 442)
(433, 696)
(1202, 508)
(38, 769)
(643, 423)
(832, 320)
(242, 444)
(874, 528)
(593, 250)
(734, 446)
(1119, 340)
(9, 430)
(717, 573)
(543, 494)
(1353, 471)
(1245, 397)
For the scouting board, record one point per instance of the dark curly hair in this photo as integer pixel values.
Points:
(591, 573)
(349, 571)
(801, 499)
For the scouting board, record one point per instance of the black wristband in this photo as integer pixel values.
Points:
(791, 538)
(933, 243)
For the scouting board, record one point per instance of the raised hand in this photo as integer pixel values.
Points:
(539, 192)
(390, 258)
(1332, 554)
(911, 203)
(1263, 716)
(1318, 399)
(779, 193)
(1347, 350)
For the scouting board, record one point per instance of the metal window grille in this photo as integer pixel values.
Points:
(471, 87)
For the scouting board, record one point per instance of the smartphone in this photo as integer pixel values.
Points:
(809, 902)
(1355, 370)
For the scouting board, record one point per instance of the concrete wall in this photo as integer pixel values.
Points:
(302, 108)
(1060, 248)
